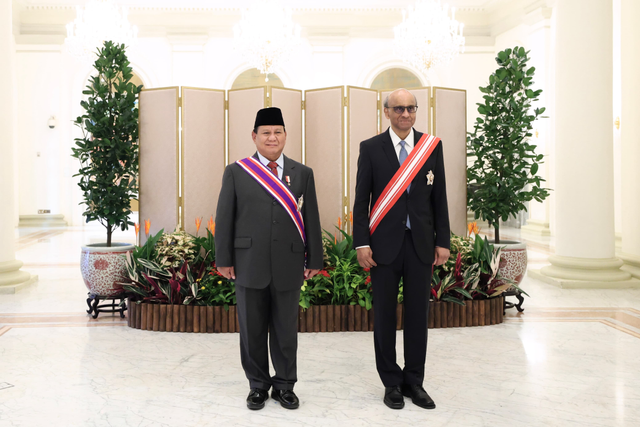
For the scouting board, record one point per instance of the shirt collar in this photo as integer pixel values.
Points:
(265, 161)
(395, 139)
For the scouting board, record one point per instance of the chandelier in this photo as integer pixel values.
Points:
(266, 35)
(427, 36)
(99, 21)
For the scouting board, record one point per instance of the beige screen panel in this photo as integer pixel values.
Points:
(290, 102)
(243, 106)
(324, 136)
(450, 125)
(362, 123)
(423, 119)
(159, 158)
(202, 155)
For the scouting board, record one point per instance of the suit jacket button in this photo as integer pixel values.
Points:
(275, 203)
(275, 222)
(404, 222)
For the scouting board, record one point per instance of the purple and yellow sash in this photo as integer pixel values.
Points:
(277, 189)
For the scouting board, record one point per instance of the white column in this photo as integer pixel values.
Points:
(539, 43)
(630, 133)
(585, 238)
(11, 276)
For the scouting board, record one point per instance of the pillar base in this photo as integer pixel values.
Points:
(585, 273)
(40, 221)
(631, 264)
(536, 227)
(12, 279)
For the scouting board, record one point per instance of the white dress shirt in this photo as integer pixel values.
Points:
(280, 163)
(395, 139)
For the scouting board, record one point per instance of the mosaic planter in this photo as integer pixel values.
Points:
(513, 260)
(103, 267)
(323, 318)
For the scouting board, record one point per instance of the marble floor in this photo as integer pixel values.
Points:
(571, 359)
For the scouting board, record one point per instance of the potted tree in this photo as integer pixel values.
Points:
(108, 154)
(503, 176)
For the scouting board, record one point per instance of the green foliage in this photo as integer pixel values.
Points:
(503, 176)
(342, 281)
(108, 149)
(471, 272)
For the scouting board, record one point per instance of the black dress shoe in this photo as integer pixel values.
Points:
(393, 397)
(256, 398)
(287, 398)
(418, 396)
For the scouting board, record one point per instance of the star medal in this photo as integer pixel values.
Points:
(300, 203)
(430, 177)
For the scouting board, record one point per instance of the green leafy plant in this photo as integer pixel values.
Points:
(503, 176)
(108, 149)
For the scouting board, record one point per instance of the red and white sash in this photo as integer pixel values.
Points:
(277, 189)
(401, 180)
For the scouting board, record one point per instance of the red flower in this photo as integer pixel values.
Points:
(366, 269)
(324, 273)
(366, 282)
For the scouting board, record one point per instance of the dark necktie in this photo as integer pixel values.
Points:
(274, 168)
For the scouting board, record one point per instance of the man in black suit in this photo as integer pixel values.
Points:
(411, 238)
(260, 247)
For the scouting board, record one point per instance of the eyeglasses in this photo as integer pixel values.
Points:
(400, 109)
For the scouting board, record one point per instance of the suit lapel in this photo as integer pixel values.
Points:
(389, 150)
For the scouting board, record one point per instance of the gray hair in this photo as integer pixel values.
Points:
(386, 99)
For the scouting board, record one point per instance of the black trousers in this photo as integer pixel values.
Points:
(416, 288)
(268, 315)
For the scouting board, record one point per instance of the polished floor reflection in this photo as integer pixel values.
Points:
(569, 360)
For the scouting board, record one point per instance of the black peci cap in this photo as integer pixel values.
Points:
(269, 117)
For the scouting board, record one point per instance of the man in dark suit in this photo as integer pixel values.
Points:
(411, 238)
(260, 247)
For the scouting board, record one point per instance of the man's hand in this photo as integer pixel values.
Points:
(309, 273)
(441, 256)
(365, 257)
(228, 272)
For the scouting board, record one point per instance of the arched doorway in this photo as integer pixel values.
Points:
(394, 78)
(253, 78)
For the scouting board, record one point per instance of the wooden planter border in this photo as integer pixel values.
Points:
(323, 318)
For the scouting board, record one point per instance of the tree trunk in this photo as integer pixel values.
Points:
(497, 235)
(109, 232)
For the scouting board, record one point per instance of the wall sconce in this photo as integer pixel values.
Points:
(617, 123)
(536, 133)
(52, 122)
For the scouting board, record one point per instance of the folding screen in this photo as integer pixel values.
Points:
(203, 139)
(324, 143)
(290, 102)
(450, 124)
(423, 114)
(159, 139)
(362, 123)
(243, 105)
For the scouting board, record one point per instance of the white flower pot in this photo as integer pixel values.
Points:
(513, 260)
(102, 267)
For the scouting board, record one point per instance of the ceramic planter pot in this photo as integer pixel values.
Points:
(102, 267)
(513, 260)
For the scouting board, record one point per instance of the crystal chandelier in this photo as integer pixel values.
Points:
(99, 21)
(266, 35)
(427, 36)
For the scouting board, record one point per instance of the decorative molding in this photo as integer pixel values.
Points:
(37, 7)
